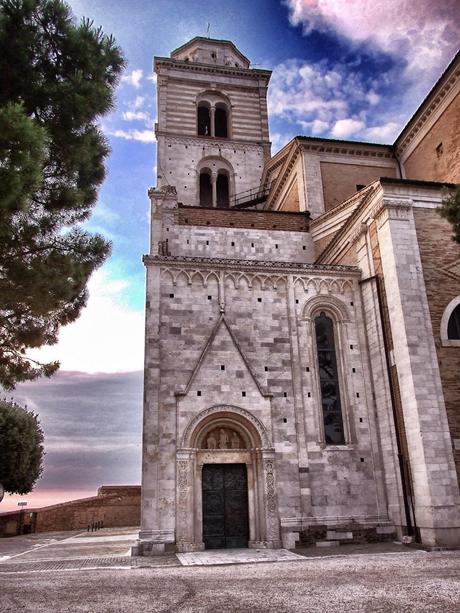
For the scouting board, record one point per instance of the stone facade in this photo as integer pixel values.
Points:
(237, 300)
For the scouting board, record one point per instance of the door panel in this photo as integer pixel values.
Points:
(225, 506)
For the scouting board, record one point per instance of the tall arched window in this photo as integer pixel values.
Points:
(204, 119)
(222, 190)
(329, 380)
(205, 188)
(453, 326)
(220, 121)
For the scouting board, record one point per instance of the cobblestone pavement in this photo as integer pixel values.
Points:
(377, 583)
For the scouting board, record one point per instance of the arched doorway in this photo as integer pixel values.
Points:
(225, 453)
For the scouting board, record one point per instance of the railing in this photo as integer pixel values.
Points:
(250, 197)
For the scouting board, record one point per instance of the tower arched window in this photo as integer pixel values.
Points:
(453, 325)
(329, 380)
(204, 119)
(205, 188)
(223, 192)
(221, 121)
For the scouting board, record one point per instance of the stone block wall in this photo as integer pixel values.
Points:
(440, 257)
(231, 325)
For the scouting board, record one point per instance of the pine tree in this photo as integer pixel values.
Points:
(57, 78)
(21, 448)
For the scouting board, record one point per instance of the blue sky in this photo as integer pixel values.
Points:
(351, 69)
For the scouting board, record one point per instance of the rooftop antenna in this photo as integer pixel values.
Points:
(207, 29)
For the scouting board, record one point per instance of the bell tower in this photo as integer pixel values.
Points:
(212, 128)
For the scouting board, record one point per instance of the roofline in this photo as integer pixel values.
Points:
(246, 71)
(318, 139)
(213, 40)
(417, 182)
(425, 101)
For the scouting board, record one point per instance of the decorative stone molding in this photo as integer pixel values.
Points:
(363, 150)
(445, 340)
(195, 424)
(219, 263)
(322, 302)
(389, 208)
(453, 270)
(319, 284)
(359, 232)
(227, 71)
(163, 197)
(209, 142)
(222, 322)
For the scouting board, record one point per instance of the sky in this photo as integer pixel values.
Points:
(347, 69)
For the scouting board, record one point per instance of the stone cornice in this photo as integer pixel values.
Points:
(211, 142)
(429, 106)
(393, 208)
(348, 225)
(281, 179)
(227, 71)
(224, 263)
(362, 150)
(339, 208)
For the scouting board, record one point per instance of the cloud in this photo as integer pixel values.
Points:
(93, 433)
(107, 337)
(425, 33)
(103, 213)
(133, 78)
(143, 136)
(278, 140)
(330, 100)
(315, 127)
(136, 116)
(386, 133)
(344, 128)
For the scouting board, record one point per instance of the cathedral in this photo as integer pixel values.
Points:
(302, 349)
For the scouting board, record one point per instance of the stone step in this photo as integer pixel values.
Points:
(385, 529)
(327, 543)
(333, 535)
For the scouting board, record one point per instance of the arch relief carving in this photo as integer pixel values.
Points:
(223, 438)
(330, 303)
(323, 285)
(222, 434)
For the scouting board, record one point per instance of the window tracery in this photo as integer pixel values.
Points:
(329, 380)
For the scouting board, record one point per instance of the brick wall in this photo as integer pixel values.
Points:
(340, 180)
(431, 164)
(438, 252)
(114, 506)
(232, 218)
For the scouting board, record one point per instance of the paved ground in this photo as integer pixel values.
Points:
(81, 572)
(58, 545)
(214, 557)
(377, 583)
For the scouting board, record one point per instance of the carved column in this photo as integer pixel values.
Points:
(185, 477)
(214, 188)
(272, 523)
(213, 120)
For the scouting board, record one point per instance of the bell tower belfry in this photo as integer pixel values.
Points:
(212, 128)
